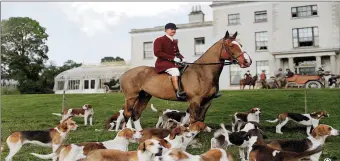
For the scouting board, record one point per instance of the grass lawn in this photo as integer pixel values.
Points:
(33, 112)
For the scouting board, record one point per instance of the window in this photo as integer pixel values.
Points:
(86, 84)
(262, 65)
(73, 84)
(199, 45)
(60, 85)
(261, 40)
(304, 11)
(308, 36)
(236, 74)
(148, 51)
(101, 83)
(93, 83)
(260, 16)
(234, 19)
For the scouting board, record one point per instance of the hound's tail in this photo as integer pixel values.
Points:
(224, 129)
(47, 156)
(57, 114)
(153, 108)
(303, 154)
(273, 121)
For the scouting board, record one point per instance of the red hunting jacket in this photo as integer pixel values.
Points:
(165, 50)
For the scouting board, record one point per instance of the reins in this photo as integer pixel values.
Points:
(233, 61)
(223, 63)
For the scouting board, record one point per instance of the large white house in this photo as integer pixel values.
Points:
(301, 36)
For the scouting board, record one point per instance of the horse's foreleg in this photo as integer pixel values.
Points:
(194, 110)
(139, 108)
(128, 107)
(204, 108)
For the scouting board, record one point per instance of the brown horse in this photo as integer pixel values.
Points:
(251, 82)
(200, 81)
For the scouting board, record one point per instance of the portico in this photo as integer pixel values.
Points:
(307, 63)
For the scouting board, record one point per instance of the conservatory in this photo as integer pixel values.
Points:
(89, 78)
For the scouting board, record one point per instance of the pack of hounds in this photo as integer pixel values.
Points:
(173, 133)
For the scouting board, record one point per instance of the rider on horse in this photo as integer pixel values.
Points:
(247, 77)
(168, 56)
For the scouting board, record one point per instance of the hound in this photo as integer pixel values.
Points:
(318, 138)
(181, 155)
(239, 117)
(120, 142)
(164, 116)
(145, 152)
(244, 140)
(309, 120)
(48, 138)
(86, 112)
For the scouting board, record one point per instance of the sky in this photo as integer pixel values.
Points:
(88, 31)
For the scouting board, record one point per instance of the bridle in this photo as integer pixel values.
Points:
(231, 59)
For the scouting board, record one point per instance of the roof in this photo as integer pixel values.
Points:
(103, 71)
(180, 26)
(227, 3)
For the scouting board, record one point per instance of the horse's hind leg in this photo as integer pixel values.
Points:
(139, 107)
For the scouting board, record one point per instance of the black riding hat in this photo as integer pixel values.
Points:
(170, 26)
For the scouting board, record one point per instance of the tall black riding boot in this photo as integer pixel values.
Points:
(180, 94)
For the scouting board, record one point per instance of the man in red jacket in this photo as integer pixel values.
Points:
(166, 50)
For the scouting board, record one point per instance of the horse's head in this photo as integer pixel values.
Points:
(233, 51)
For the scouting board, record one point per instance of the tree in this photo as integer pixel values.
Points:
(69, 64)
(111, 59)
(24, 52)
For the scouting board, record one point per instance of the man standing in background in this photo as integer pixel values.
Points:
(279, 77)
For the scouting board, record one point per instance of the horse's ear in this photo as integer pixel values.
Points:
(226, 35)
(234, 36)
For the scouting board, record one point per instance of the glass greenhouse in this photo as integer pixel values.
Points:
(89, 78)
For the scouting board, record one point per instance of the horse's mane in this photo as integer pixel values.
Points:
(208, 50)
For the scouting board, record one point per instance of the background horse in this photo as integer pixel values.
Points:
(250, 82)
(200, 81)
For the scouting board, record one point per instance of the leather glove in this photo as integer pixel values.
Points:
(177, 60)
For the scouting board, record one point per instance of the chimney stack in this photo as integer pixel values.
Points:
(196, 15)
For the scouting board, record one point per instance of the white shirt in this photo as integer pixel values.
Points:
(170, 37)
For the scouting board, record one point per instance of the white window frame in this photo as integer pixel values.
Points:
(238, 72)
(304, 11)
(199, 44)
(261, 41)
(233, 19)
(60, 85)
(260, 16)
(262, 65)
(148, 53)
(298, 36)
(73, 84)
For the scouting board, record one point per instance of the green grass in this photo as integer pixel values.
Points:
(33, 112)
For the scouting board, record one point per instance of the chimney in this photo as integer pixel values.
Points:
(196, 15)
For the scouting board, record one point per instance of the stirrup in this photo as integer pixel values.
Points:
(181, 95)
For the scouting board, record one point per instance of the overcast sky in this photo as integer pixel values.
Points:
(86, 32)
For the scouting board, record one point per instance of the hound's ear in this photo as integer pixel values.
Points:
(226, 35)
(234, 36)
